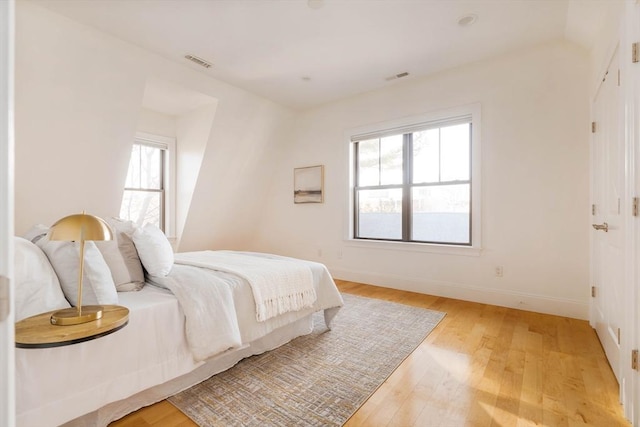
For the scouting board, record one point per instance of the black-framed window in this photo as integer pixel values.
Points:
(414, 184)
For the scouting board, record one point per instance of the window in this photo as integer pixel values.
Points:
(415, 182)
(145, 193)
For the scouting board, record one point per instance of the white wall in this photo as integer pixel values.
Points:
(193, 130)
(230, 195)
(535, 115)
(156, 123)
(79, 95)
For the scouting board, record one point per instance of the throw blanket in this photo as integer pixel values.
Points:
(279, 284)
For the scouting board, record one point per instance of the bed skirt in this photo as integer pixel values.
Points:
(116, 410)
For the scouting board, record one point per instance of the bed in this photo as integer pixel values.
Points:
(163, 349)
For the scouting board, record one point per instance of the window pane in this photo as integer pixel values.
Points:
(369, 162)
(133, 174)
(379, 214)
(151, 166)
(380, 161)
(141, 207)
(145, 168)
(441, 213)
(391, 160)
(426, 156)
(454, 160)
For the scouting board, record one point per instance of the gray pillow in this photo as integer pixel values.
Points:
(36, 233)
(121, 256)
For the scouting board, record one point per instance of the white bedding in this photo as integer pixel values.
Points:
(208, 302)
(58, 384)
(279, 284)
(195, 287)
(150, 358)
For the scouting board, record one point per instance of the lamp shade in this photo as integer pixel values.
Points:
(80, 227)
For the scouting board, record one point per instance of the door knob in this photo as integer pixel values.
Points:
(604, 226)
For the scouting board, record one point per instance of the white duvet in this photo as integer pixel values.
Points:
(220, 308)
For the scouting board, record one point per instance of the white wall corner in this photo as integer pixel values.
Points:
(483, 295)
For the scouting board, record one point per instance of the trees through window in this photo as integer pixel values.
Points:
(414, 184)
(144, 194)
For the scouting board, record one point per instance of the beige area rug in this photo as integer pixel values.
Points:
(319, 379)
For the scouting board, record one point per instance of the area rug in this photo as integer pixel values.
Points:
(319, 379)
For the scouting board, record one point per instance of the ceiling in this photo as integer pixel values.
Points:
(302, 57)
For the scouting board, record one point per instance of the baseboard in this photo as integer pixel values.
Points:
(519, 300)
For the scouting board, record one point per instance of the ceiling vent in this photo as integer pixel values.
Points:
(397, 76)
(467, 20)
(199, 61)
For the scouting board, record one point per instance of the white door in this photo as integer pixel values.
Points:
(7, 363)
(607, 198)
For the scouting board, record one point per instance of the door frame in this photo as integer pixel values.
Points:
(7, 352)
(630, 33)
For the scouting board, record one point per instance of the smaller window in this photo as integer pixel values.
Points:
(145, 195)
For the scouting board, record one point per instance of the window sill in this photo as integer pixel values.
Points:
(415, 247)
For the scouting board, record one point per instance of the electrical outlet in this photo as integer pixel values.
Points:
(499, 271)
(339, 254)
(319, 253)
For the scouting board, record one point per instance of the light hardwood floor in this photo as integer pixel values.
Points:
(482, 366)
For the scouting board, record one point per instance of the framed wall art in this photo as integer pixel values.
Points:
(308, 184)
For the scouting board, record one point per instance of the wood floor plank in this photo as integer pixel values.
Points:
(482, 366)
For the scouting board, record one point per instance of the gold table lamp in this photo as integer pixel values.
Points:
(79, 228)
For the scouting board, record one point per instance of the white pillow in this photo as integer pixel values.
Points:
(37, 289)
(154, 249)
(121, 256)
(97, 284)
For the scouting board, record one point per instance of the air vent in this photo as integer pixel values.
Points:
(397, 76)
(467, 20)
(199, 61)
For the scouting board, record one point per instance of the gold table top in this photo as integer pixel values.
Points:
(38, 332)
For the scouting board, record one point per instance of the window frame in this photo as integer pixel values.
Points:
(410, 124)
(167, 146)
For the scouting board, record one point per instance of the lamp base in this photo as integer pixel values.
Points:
(69, 316)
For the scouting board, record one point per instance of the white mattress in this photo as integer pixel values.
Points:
(98, 381)
(55, 385)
